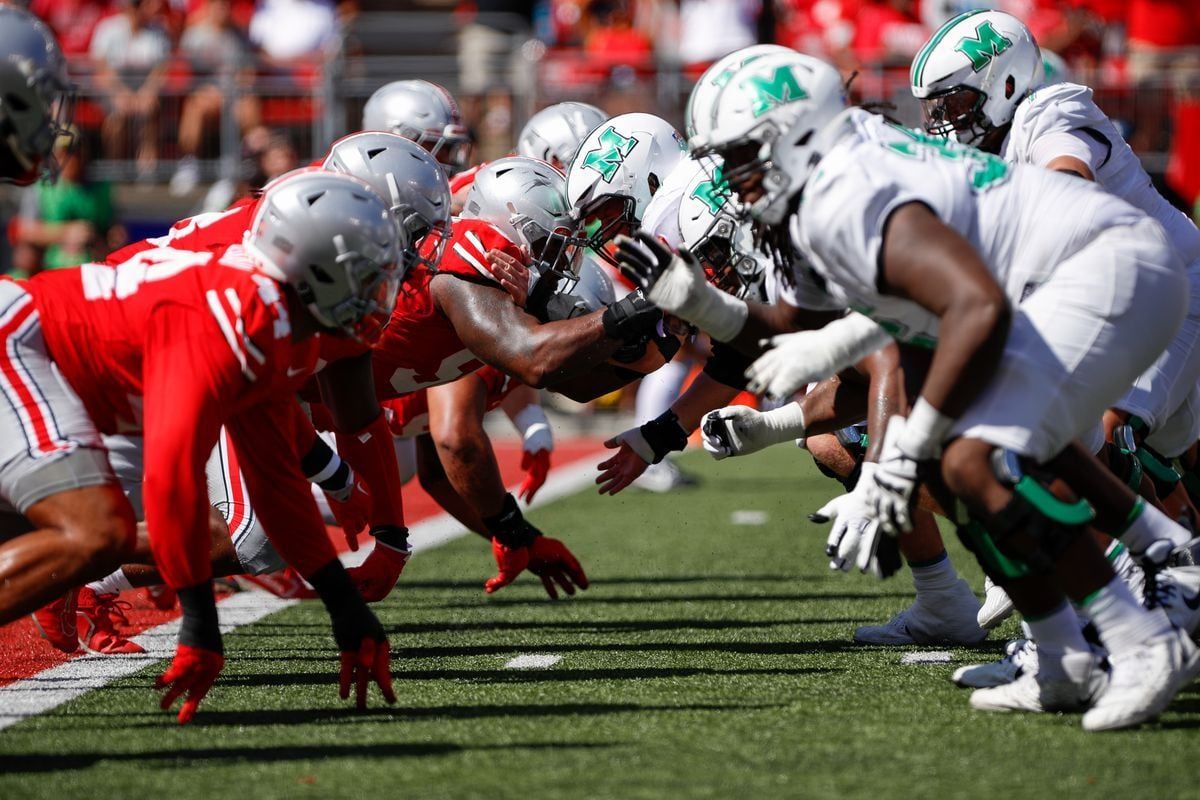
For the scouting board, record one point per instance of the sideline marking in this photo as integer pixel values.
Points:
(748, 517)
(52, 687)
(533, 662)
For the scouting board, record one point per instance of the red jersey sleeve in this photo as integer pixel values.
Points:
(465, 255)
(211, 232)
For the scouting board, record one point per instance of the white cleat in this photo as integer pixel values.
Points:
(1020, 656)
(997, 606)
(663, 477)
(1038, 695)
(1144, 681)
(934, 618)
(1176, 590)
(1131, 573)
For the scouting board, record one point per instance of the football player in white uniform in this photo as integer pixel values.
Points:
(1037, 324)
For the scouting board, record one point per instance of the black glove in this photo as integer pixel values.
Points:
(643, 258)
(632, 319)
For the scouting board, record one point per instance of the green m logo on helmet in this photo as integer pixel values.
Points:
(984, 46)
(611, 152)
(713, 193)
(774, 90)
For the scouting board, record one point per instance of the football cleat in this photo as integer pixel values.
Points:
(285, 583)
(1038, 695)
(1020, 656)
(161, 597)
(97, 618)
(663, 477)
(997, 606)
(1176, 590)
(55, 622)
(1143, 682)
(946, 617)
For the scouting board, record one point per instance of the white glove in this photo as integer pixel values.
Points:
(894, 482)
(740, 430)
(854, 538)
(798, 359)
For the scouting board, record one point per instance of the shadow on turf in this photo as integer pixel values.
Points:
(417, 583)
(58, 762)
(618, 626)
(594, 599)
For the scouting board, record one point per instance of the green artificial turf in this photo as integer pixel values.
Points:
(707, 660)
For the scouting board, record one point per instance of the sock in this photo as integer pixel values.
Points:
(1120, 620)
(937, 575)
(660, 389)
(1148, 525)
(1127, 569)
(111, 584)
(1058, 635)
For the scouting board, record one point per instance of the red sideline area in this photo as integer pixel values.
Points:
(23, 653)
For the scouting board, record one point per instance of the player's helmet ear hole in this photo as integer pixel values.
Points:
(807, 135)
(320, 274)
(653, 182)
(1010, 86)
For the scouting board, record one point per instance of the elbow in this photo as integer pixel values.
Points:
(534, 374)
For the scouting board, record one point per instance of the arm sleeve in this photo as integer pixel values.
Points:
(372, 456)
(266, 448)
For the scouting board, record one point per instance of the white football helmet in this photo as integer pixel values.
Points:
(407, 175)
(554, 133)
(616, 171)
(333, 239)
(697, 117)
(766, 124)
(35, 97)
(973, 72)
(425, 113)
(1055, 69)
(713, 232)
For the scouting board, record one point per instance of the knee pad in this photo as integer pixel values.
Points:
(1122, 457)
(1153, 465)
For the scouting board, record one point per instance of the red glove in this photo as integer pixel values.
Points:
(372, 661)
(547, 558)
(352, 514)
(537, 467)
(376, 576)
(193, 671)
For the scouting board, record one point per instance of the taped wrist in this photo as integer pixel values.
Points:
(510, 527)
(325, 468)
(722, 316)
(665, 435)
(200, 627)
(534, 427)
(924, 431)
(352, 620)
(391, 536)
(783, 423)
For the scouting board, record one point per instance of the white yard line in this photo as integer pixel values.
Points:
(927, 657)
(52, 687)
(536, 661)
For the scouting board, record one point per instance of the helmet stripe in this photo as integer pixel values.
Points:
(918, 66)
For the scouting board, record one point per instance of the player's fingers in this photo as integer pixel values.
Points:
(181, 685)
(344, 677)
(548, 585)
(575, 570)
(613, 443)
(352, 540)
(383, 671)
(562, 580)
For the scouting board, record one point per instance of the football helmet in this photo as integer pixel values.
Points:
(554, 133)
(766, 125)
(616, 171)
(717, 237)
(35, 97)
(407, 175)
(973, 72)
(425, 113)
(595, 288)
(697, 117)
(333, 239)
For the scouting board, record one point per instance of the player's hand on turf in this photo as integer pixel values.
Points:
(370, 662)
(854, 539)
(894, 483)
(352, 510)
(377, 575)
(363, 649)
(190, 675)
(671, 279)
(626, 465)
(512, 275)
(547, 558)
(734, 431)
(536, 466)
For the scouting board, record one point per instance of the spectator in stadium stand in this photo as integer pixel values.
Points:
(130, 50)
(293, 30)
(887, 32)
(492, 67)
(276, 155)
(614, 42)
(73, 21)
(67, 222)
(1164, 61)
(219, 54)
(709, 29)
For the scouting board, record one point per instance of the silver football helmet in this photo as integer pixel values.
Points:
(555, 133)
(333, 239)
(425, 113)
(35, 97)
(406, 174)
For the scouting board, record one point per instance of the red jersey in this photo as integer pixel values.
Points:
(173, 345)
(211, 232)
(419, 347)
(408, 416)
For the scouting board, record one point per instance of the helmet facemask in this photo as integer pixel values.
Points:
(374, 280)
(451, 147)
(602, 219)
(956, 113)
(32, 125)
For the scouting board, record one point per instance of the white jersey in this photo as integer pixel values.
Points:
(1022, 221)
(661, 216)
(1064, 120)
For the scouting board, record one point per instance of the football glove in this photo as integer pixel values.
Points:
(856, 537)
(894, 483)
(740, 430)
(377, 575)
(547, 558)
(795, 360)
(352, 510)
(536, 467)
(364, 654)
(191, 674)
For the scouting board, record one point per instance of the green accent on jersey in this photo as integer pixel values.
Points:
(985, 169)
(775, 90)
(611, 152)
(986, 44)
(896, 329)
(925, 52)
(713, 193)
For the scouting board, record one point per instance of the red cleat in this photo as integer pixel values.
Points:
(56, 622)
(286, 583)
(161, 597)
(98, 617)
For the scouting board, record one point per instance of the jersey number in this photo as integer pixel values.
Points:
(986, 169)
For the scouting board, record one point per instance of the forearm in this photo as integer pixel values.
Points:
(373, 458)
(704, 395)
(885, 396)
(596, 382)
(764, 321)
(470, 465)
(433, 480)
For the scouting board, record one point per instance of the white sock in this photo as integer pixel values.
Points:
(937, 577)
(660, 389)
(1058, 635)
(1120, 620)
(1149, 525)
(111, 584)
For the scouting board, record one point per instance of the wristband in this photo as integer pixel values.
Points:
(924, 431)
(664, 435)
(783, 423)
(200, 627)
(352, 620)
(534, 427)
(720, 315)
(509, 526)
(391, 536)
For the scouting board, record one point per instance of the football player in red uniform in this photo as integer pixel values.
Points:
(176, 344)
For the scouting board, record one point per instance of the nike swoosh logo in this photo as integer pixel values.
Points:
(292, 372)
